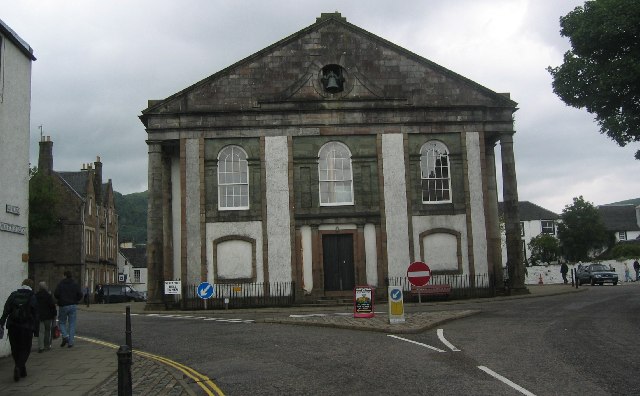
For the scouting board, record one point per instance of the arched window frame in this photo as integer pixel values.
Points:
(335, 175)
(233, 179)
(435, 173)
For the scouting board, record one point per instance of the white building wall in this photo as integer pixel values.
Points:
(15, 105)
(176, 214)
(192, 203)
(371, 253)
(395, 198)
(307, 258)
(456, 223)
(278, 219)
(249, 229)
(476, 198)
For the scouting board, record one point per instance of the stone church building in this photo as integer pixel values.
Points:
(330, 159)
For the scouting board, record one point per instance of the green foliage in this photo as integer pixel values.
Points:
(581, 230)
(132, 216)
(624, 251)
(544, 248)
(44, 198)
(602, 71)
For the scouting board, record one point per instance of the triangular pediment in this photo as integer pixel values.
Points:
(293, 71)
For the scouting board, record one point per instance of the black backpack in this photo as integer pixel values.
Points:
(21, 309)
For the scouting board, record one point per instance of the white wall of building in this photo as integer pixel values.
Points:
(15, 104)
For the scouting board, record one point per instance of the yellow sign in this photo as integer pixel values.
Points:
(396, 305)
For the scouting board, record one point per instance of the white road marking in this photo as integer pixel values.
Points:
(506, 381)
(445, 342)
(416, 342)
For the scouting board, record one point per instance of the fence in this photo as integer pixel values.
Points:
(462, 286)
(242, 295)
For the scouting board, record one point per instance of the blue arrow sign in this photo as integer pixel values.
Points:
(396, 294)
(205, 290)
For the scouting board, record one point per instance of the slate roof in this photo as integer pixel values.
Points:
(77, 181)
(137, 256)
(619, 217)
(16, 40)
(530, 211)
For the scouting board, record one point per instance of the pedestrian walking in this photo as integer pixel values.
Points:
(564, 268)
(87, 295)
(20, 314)
(99, 294)
(627, 277)
(636, 267)
(47, 312)
(68, 294)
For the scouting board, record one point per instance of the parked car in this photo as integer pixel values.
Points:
(120, 293)
(596, 274)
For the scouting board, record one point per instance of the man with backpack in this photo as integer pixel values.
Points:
(68, 294)
(21, 317)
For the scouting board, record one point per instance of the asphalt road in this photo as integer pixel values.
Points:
(573, 344)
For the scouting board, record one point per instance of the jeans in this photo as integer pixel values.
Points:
(68, 330)
(44, 337)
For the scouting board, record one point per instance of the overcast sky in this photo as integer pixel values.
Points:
(98, 62)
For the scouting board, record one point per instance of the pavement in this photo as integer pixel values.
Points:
(91, 366)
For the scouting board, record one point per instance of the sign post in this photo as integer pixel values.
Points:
(419, 275)
(396, 305)
(205, 291)
(363, 302)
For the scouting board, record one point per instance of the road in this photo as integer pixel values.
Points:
(574, 344)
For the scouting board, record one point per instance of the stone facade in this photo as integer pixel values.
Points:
(331, 129)
(16, 58)
(86, 240)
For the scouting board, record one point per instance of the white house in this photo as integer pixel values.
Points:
(622, 220)
(16, 57)
(534, 220)
(132, 266)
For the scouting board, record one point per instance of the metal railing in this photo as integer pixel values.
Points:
(462, 286)
(241, 295)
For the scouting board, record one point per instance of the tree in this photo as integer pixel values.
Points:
(544, 248)
(581, 230)
(601, 72)
(43, 202)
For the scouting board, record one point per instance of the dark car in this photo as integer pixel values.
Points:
(120, 293)
(597, 274)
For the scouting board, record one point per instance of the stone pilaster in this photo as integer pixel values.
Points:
(493, 218)
(515, 266)
(155, 248)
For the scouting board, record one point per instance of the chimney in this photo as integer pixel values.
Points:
(97, 181)
(45, 157)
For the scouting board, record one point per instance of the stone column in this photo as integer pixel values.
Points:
(155, 248)
(515, 266)
(493, 218)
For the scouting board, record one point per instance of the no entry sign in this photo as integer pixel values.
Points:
(418, 273)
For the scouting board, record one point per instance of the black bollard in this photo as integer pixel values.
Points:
(127, 328)
(124, 371)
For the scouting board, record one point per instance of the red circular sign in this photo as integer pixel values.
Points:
(418, 273)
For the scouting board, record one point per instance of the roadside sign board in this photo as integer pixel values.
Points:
(172, 287)
(418, 273)
(396, 305)
(205, 290)
(363, 302)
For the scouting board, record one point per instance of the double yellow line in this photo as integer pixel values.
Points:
(204, 382)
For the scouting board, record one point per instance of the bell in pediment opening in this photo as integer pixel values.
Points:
(332, 79)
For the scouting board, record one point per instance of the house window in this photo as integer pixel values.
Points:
(89, 242)
(434, 172)
(524, 251)
(622, 235)
(335, 175)
(233, 179)
(548, 227)
(522, 228)
(136, 276)
(90, 206)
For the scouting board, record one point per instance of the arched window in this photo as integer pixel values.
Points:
(434, 171)
(334, 173)
(233, 179)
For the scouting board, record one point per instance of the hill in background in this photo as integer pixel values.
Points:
(132, 216)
